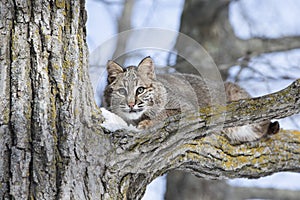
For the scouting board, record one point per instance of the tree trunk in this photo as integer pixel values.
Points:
(52, 143)
(47, 103)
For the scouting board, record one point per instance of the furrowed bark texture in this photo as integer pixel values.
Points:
(46, 103)
(53, 147)
(213, 157)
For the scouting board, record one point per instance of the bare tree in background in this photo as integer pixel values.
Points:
(208, 23)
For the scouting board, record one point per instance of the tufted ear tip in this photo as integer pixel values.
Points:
(146, 61)
(146, 67)
(109, 62)
(113, 70)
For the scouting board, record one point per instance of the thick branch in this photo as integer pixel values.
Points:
(215, 157)
(185, 142)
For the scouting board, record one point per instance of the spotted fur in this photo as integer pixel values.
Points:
(142, 98)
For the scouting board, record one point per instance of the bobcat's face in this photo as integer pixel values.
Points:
(131, 96)
(133, 91)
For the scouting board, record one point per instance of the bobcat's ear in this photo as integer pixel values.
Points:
(113, 70)
(146, 67)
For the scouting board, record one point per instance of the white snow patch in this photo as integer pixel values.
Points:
(113, 122)
(156, 189)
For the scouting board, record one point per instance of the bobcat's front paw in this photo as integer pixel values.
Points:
(145, 124)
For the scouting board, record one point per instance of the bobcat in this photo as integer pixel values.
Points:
(143, 98)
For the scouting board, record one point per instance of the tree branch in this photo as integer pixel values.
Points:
(215, 157)
(185, 142)
(263, 45)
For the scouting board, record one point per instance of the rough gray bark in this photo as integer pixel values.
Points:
(46, 102)
(53, 147)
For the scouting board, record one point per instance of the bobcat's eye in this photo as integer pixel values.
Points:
(140, 90)
(122, 91)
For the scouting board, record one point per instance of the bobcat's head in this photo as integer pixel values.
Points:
(134, 91)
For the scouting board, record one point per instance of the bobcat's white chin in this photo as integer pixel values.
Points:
(134, 115)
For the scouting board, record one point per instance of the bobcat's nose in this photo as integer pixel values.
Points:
(131, 105)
